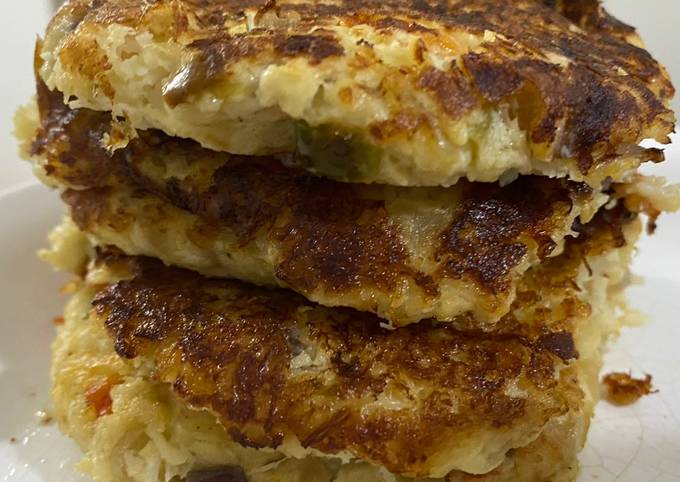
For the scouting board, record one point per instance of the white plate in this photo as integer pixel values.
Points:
(634, 444)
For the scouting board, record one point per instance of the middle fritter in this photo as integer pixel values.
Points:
(406, 254)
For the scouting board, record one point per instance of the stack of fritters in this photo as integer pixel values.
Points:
(341, 241)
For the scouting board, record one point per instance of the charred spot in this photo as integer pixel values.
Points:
(651, 223)
(485, 240)
(559, 343)
(323, 434)
(451, 88)
(421, 5)
(495, 81)
(246, 199)
(427, 284)
(597, 111)
(332, 238)
(241, 409)
(352, 370)
(315, 47)
(71, 141)
(188, 201)
(434, 9)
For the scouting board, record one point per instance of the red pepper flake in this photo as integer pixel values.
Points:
(58, 320)
(623, 389)
(98, 396)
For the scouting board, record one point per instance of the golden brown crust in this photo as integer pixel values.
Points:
(328, 236)
(272, 365)
(583, 89)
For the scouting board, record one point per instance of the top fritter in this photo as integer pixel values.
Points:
(398, 92)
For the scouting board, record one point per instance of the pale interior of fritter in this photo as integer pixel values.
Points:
(264, 109)
(152, 436)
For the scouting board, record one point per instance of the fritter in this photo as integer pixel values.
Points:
(289, 379)
(151, 435)
(404, 253)
(418, 92)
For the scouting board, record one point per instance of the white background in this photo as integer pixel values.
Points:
(22, 20)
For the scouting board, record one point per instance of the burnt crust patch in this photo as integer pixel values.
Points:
(452, 89)
(560, 343)
(65, 132)
(487, 240)
(315, 47)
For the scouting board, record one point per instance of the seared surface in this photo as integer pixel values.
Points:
(277, 369)
(152, 434)
(405, 253)
(417, 93)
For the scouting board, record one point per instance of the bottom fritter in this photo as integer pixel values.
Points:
(163, 375)
(134, 428)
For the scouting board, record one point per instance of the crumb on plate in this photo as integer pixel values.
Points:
(623, 389)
